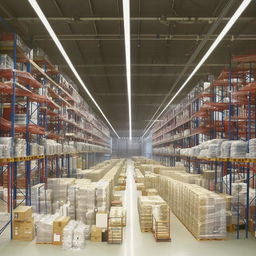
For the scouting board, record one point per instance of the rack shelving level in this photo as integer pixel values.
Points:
(223, 108)
(46, 124)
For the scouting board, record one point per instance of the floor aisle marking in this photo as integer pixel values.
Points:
(129, 203)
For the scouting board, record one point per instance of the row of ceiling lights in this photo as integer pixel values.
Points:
(127, 34)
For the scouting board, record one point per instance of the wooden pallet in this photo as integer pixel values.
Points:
(146, 230)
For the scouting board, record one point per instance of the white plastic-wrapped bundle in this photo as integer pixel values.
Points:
(79, 236)
(41, 199)
(225, 149)
(87, 232)
(45, 229)
(20, 148)
(102, 195)
(34, 149)
(5, 149)
(195, 151)
(85, 201)
(60, 188)
(214, 148)
(252, 148)
(238, 149)
(68, 235)
(203, 153)
(37, 217)
(90, 217)
(72, 194)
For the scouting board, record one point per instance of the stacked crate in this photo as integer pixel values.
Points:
(115, 225)
(145, 207)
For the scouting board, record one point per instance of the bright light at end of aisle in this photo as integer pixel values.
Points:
(127, 41)
(225, 30)
(48, 27)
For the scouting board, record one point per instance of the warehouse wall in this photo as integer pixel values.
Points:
(147, 146)
(123, 147)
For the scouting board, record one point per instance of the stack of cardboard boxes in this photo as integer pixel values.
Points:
(96, 234)
(23, 224)
(58, 226)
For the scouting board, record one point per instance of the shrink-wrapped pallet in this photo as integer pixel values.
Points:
(72, 199)
(45, 229)
(85, 201)
(68, 235)
(238, 149)
(59, 187)
(145, 208)
(102, 196)
(79, 236)
(225, 149)
(252, 148)
(41, 199)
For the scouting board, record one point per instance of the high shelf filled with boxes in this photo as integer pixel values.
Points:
(46, 127)
(212, 132)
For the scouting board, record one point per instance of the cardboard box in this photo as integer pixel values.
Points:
(24, 230)
(22, 213)
(58, 226)
(96, 234)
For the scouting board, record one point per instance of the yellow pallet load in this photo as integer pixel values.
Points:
(161, 222)
(96, 234)
(145, 209)
(203, 212)
(139, 177)
(150, 192)
(116, 221)
(140, 186)
(23, 224)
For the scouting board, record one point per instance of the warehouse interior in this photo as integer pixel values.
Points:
(127, 127)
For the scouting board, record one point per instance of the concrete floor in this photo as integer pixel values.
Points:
(137, 243)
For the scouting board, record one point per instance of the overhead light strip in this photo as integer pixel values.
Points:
(225, 30)
(127, 41)
(48, 27)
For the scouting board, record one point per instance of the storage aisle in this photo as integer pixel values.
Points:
(137, 243)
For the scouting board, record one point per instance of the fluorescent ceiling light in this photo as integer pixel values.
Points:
(225, 30)
(48, 27)
(127, 41)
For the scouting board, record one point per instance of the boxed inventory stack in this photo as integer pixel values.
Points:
(115, 225)
(41, 199)
(96, 234)
(45, 229)
(85, 200)
(161, 222)
(146, 205)
(23, 224)
(203, 212)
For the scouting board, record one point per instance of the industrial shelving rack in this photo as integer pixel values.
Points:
(221, 108)
(40, 94)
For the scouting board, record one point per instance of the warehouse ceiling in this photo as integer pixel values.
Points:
(165, 34)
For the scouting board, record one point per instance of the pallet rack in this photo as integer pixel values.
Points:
(222, 108)
(53, 110)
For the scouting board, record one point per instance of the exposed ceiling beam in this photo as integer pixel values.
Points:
(137, 104)
(142, 65)
(93, 19)
(145, 37)
(133, 94)
(10, 15)
(140, 74)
